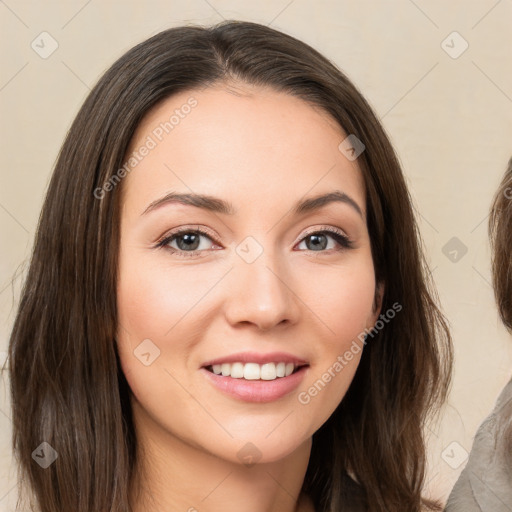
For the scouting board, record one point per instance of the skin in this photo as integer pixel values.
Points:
(262, 151)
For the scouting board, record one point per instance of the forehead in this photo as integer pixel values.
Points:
(239, 140)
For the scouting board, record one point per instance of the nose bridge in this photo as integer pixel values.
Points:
(260, 293)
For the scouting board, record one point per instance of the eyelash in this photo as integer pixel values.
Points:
(336, 234)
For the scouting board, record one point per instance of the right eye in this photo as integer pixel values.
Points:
(188, 242)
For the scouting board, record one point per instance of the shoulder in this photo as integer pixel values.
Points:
(504, 398)
(485, 483)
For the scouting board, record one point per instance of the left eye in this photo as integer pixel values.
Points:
(188, 241)
(318, 239)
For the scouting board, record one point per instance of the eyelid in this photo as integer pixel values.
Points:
(187, 228)
(317, 229)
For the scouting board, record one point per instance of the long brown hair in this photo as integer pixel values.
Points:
(67, 386)
(500, 235)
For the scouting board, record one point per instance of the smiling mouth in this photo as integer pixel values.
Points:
(255, 371)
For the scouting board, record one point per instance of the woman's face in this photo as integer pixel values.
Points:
(270, 284)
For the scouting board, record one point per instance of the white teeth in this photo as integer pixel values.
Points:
(268, 371)
(251, 371)
(237, 370)
(254, 371)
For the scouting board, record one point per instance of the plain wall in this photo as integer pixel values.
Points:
(450, 120)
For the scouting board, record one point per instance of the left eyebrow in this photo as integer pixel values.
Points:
(317, 202)
(215, 204)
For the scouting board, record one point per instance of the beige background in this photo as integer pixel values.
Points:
(449, 119)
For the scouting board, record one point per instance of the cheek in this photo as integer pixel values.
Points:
(343, 300)
(161, 305)
(149, 306)
(151, 300)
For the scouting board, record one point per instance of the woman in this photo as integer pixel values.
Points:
(485, 484)
(289, 361)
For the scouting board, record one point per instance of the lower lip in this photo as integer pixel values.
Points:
(257, 390)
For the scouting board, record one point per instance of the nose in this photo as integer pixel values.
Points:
(262, 294)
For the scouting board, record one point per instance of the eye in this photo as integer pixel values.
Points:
(188, 242)
(319, 240)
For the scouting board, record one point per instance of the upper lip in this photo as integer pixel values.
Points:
(256, 357)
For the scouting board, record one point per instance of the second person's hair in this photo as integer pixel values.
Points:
(500, 234)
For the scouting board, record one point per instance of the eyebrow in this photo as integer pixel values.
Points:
(217, 205)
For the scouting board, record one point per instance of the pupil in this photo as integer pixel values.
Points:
(316, 242)
(188, 241)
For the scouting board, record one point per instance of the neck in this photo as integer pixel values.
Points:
(175, 475)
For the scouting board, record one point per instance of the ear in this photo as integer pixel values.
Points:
(378, 300)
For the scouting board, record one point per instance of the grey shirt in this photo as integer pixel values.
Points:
(485, 484)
